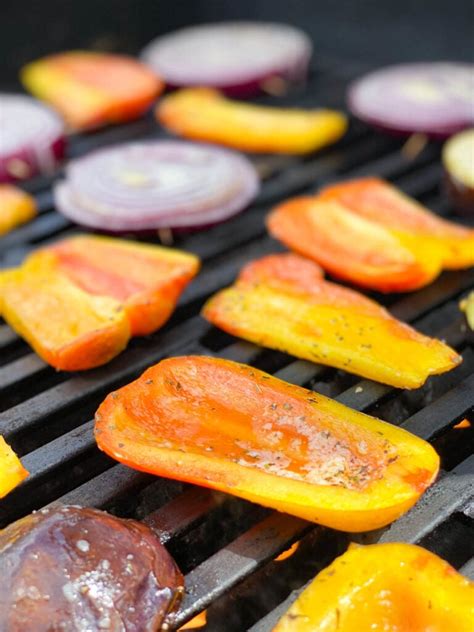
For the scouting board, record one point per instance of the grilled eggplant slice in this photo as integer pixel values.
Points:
(74, 569)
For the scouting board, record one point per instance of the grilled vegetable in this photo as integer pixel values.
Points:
(68, 327)
(233, 428)
(467, 306)
(204, 114)
(16, 208)
(92, 89)
(152, 185)
(73, 568)
(78, 301)
(396, 587)
(431, 98)
(241, 58)
(32, 138)
(369, 233)
(147, 280)
(458, 161)
(300, 313)
(12, 471)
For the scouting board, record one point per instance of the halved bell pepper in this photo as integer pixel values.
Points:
(148, 280)
(281, 302)
(90, 89)
(68, 327)
(205, 114)
(395, 587)
(16, 208)
(12, 471)
(369, 233)
(233, 428)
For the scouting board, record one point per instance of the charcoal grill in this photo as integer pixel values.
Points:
(225, 546)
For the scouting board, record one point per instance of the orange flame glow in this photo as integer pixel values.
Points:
(288, 553)
(465, 423)
(199, 621)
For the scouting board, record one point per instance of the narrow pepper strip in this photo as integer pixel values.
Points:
(205, 114)
(281, 302)
(367, 232)
(397, 587)
(12, 471)
(233, 428)
(91, 89)
(16, 208)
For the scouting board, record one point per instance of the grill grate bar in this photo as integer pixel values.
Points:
(450, 494)
(183, 513)
(236, 561)
(432, 419)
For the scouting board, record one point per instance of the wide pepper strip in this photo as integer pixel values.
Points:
(205, 114)
(78, 301)
(282, 302)
(91, 89)
(16, 208)
(397, 587)
(368, 232)
(12, 471)
(147, 279)
(68, 328)
(233, 428)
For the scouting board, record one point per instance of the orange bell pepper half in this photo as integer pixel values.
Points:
(397, 587)
(233, 428)
(78, 301)
(148, 280)
(205, 114)
(369, 233)
(67, 327)
(16, 208)
(12, 471)
(92, 89)
(282, 302)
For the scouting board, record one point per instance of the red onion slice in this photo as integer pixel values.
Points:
(237, 57)
(156, 184)
(431, 98)
(31, 138)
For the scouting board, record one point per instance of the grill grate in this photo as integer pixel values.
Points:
(46, 415)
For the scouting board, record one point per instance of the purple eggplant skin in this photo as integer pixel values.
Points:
(78, 569)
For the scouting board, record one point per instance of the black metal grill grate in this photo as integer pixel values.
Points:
(226, 546)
